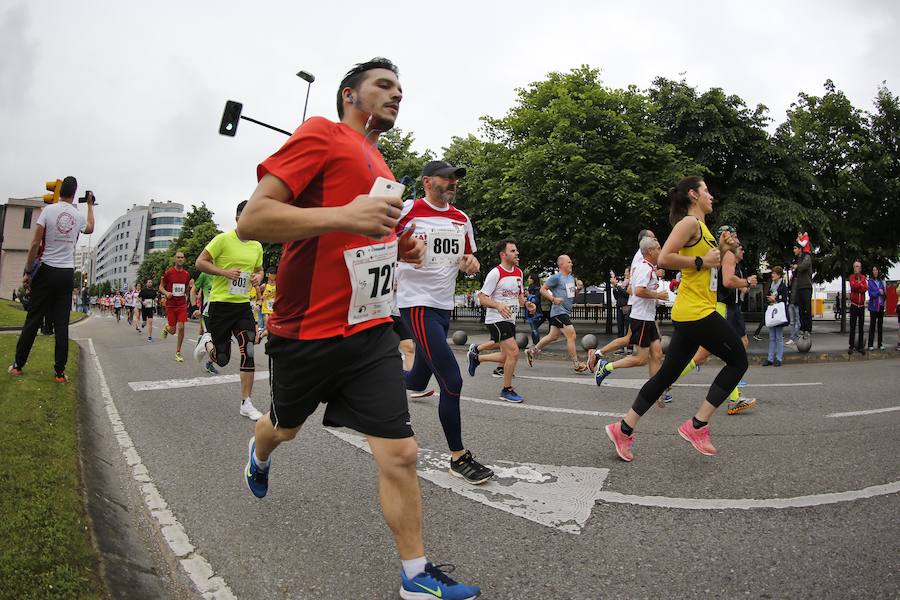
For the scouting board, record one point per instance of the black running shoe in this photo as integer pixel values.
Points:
(498, 372)
(470, 469)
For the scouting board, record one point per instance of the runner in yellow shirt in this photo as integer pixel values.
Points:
(268, 298)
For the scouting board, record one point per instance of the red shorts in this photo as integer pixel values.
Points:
(176, 314)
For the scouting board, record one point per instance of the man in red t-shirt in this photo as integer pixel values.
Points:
(175, 283)
(331, 336)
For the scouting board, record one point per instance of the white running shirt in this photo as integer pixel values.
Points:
(644, 275)
(433, 285)
(503, 286)
(62, 223)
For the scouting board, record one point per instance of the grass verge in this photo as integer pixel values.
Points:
(45, 549)
(12, 315)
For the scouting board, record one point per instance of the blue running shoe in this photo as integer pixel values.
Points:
(602, 373)
(211, 368)
(257, 479)
(435, 582)
(667, 397)
(742, 384)
(510, 395)
(473, 362)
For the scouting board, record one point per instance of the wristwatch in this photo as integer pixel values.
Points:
(698, 262)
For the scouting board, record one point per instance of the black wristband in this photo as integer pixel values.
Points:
(698, 262)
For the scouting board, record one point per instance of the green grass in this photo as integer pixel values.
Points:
(45, 550)
(12, 315)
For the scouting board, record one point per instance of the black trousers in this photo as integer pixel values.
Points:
(876, 320)
(51, 295)
(804, 303)
(713, 333)
(857, 319)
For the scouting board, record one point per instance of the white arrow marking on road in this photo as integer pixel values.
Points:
(636, 384)
(859, 413)
(554, 496)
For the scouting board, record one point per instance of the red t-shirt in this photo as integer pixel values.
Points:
(804, 240)
(176, 281)
(324, 164)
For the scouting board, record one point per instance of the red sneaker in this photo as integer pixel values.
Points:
(699, 438)
(14, 370)
(620, 440)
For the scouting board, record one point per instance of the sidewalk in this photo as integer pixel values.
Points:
(828, 344)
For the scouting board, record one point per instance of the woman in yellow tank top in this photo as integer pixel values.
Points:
(693, 250)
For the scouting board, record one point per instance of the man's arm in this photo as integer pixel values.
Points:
(269, 215)
(731, 280)
(162, 288)
(205, 264)
(89, 222)
(33, 249)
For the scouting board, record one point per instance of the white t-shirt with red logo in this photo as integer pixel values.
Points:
(644, 276)
(448, 235)
(505, 287)
(62, 224)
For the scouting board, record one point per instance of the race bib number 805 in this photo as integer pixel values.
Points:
(445, 246)
(371, 270)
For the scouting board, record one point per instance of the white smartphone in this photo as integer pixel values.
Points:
(386, 187)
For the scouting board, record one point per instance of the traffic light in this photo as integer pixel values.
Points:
(53, 187)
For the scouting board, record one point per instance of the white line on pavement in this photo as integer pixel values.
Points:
(526, 406)
(636, 384)
(171, 384)
(197, 567)
(860, 413)
(751, 503)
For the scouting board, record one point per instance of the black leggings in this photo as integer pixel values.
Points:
(716, 335)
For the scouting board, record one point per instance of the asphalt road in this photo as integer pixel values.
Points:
(807, 503)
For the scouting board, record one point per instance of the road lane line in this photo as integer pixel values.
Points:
(636, 384)
(525, 406)
(751, 503)
(860, 413)
(171, 384)
(194, 564)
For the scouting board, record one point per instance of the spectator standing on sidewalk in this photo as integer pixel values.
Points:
(778, 292)
(877, 302)
(536, 318)
(620, 293)
(858, 288)
(803, 283)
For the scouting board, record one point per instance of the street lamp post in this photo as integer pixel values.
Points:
(308, 78)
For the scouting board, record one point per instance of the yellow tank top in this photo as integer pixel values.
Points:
(697, 292)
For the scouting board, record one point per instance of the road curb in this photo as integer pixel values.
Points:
(132, 562)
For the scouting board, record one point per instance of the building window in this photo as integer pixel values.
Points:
(26, 220)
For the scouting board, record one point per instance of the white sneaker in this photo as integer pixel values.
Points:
(249, 411)
(423, 394)
(200, 353)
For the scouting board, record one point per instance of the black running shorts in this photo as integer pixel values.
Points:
(401, 329)
(147, 313)
(560, 320)
(643, 333)
(735, 318)
(227, 319)
(358, 378)
(501, 330)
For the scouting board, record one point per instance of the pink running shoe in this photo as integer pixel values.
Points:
(699, 438)
(620, 440)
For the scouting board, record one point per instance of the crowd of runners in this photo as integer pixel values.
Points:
(359, 320)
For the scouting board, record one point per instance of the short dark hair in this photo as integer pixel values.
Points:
(241, 206)
(356, 76)
(501, 245)
(271, 270)
(69, 187)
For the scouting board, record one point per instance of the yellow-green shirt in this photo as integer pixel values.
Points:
(696, 297)
(268, 299)
(229, 252)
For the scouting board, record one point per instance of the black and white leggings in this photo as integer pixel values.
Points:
(711, 332)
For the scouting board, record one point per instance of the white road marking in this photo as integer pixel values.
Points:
(554, 496)
(751, 503)
(526, 406)
(636, 384)
(196, 567)
(860, 413)
(171, 384)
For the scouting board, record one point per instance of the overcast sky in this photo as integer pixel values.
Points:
(128, 96)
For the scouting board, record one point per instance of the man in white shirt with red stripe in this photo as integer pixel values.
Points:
(642, 320)
(502, 294)
(425, 299)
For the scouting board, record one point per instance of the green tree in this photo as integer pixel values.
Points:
(197, 216)
(153, 267)
(573, 168)
(751, 177)
(194, 245)
(396, 148)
